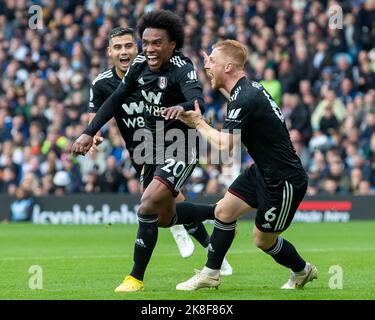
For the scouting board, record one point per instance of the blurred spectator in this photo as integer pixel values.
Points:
(21, 208)
(111, 179)
(365, 189)
(321, 57)
(272, 85)
(133, 186)
(300, 148)
(299, 118)
(336, 171)
(370, 157)
(336, 105)
(91, 182)
(286, 77)
(8, 181)
(328, 123)
(330, 186)
(61, 181)
(197, 181)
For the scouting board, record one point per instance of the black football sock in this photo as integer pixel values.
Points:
(187, 212)
(286, 254)
(199, 232)
(220, 242)
(144, 244)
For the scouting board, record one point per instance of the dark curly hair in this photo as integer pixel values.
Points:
(164, 19)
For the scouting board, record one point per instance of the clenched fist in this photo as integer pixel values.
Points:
(82, 145)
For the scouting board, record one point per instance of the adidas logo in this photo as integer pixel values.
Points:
(140, 81)
(170, 179)
(139, 242)
(192, 75)
(266, 225)
(209, 248)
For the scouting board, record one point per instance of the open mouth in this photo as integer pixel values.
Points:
(210, 76)
(124, 61)
(152, 60)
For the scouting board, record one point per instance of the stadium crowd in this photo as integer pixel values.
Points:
(321, 75)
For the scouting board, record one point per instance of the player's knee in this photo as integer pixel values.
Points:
(147, 206)
(224, 214)
(262, 241)
(164, 222)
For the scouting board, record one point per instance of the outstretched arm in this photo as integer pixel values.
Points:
(106, 111)
(98, 139)
(85, 141)
(219, 140)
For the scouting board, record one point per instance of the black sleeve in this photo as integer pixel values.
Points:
(107, 110)
(97, 98)
(190, 87)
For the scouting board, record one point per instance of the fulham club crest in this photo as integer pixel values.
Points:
(162, 82)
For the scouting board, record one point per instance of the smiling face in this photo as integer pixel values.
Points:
(122, 50)
(157, 47)
(215, 68)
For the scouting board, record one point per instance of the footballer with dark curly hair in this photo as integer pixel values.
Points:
(167, 80)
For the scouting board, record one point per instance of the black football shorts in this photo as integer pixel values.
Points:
(276, 204)
(173, 172)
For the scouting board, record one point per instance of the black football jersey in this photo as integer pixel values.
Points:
(129, 117)
(263, 131)
(176, 84)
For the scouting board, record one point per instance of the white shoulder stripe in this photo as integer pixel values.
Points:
(107, 74)
(139, 59)
(104, 73)
(177, 61)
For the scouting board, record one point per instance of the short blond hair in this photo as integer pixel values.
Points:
(235, 51)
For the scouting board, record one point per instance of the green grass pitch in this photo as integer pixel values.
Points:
(88, 262)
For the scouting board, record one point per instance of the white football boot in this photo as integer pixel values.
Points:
(298, 280)
(226, 269)
(200, 280)
(184, 243)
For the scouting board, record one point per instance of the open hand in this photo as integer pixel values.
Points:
(172, 112)
(192, 118)
(97, 141)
